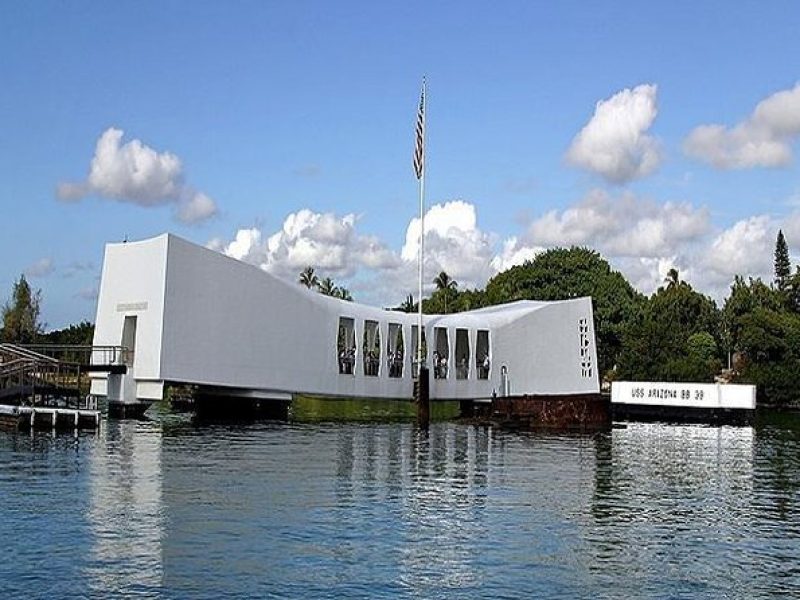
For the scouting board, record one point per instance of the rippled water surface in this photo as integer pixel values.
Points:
(366, 510)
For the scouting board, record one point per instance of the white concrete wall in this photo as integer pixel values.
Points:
(542, 350)
(696, 395)
(213, 320)
(132, 284)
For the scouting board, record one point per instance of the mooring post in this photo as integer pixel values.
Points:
(423, 398)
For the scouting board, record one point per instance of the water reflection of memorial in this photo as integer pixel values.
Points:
(125, 510)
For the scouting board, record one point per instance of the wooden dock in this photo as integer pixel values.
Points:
(46, 417)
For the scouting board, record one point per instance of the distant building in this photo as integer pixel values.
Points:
(189, 315)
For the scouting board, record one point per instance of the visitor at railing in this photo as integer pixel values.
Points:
(439, 366)
(463, 369)
(395, 362)
(483, 367)
(347, 360)
(371, 364)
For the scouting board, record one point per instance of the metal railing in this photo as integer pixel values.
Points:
(32, 375)
(83, 354)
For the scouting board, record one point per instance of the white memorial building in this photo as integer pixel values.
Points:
(190, 315)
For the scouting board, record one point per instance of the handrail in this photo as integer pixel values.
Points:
(109, 354)
(40, 379)
(24, 351)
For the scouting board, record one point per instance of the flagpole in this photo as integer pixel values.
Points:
(421, 232)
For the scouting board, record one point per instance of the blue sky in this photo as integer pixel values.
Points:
(282, 134)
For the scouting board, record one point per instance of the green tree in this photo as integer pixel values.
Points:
(562, 273)
(674, 337)
(21, 324)
(783, 268)
(770, 343)
(743, 299)
(309, 278)
(81, 334)
(793, 291)
(469, 300)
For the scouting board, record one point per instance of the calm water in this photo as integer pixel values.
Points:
(355, 510)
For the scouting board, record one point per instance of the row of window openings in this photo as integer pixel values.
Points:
(586, 357)
(396, 351)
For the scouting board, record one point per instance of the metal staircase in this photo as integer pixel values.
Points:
(33, 376)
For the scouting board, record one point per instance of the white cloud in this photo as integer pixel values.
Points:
(614, 143)
(41, 268)
(514, 253)
(622, 226)
(746, 249)
(763, 139)
(648, 274)
(135, 173)
(641, 238)
(453, 243)
(334, 247)
(195, 207)
(327, 242)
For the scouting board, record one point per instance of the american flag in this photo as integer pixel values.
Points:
(419, 151)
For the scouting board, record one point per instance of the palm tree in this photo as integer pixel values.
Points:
(309, 278)
(327, 287)
(445, 284)
(443, 281)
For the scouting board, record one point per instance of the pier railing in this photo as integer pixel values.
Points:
(51, 375)
(83, 354)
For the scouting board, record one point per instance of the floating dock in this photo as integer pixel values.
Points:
(690, 402)
(42, 417)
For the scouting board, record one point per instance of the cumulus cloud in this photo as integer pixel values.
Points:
(194, 207)
(614, 143)
(328, 242)
(743, 249)
(453, 243)
(643, 239)
(640, 237)
(622, 226)
(135, 173)
(763, 139)
(41, 268)
(513, 253)
(333, 245)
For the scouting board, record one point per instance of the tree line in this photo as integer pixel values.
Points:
(675, 334)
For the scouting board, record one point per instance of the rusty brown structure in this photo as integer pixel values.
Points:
(567, 412)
